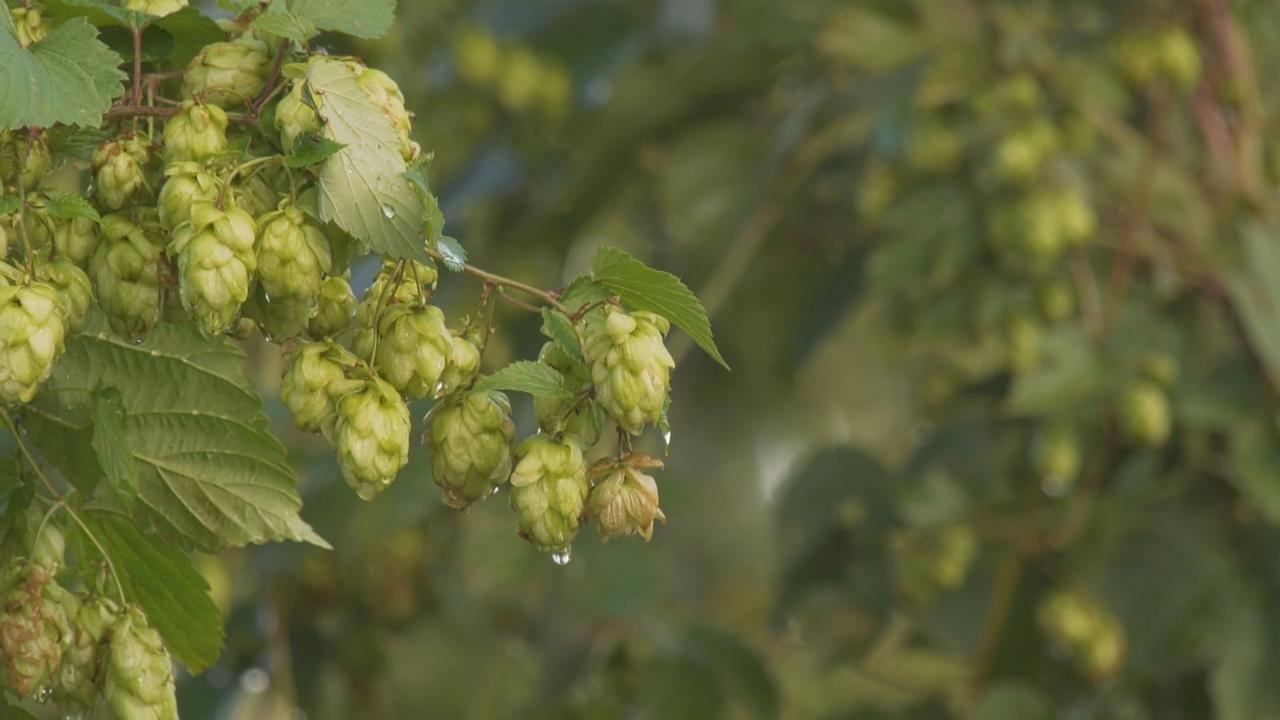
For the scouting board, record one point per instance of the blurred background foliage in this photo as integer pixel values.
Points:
(1000, 285)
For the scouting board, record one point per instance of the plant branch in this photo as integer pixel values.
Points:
(273, 80)
(136, 94)
(546, 296)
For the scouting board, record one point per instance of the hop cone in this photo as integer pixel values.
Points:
(386, 96)
(294, 118)
(197, 132)
(416, 281)
(38, 223)
(35, 162)
(216, 261)
(75, 239)
(80, 675)
(334, 307)
(227, 74)
(586, 420)
(314, 376)
(126, 270)
(256, 196)
(73, 291)
(1145, 417)
(158, 8)
(31, 339)
(293, 256)
(118, 173)
(32, 632)
(372, 436)
(624, 503)
(471, 443)
(188, 183)
(462, 364)
(630, 367)
(29, 24)
(138, 683)
(411, 348)
(549, 492)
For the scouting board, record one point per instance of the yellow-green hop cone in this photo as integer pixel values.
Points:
(159, 8)
(630, 367)
(549, 492)
(216, 261)
(471, 443)
(1082, 626)
(118, 174)
(187, 183)
(461, 366)
(416, 282)
(33, 631)
(138, 683)
(386, 96)
(293, 257)
(30, 25)
(75, 239)
(126, 273)
(294, 118)
(334, 307)
(371, 436)
(568, 415)
(624, 503)
(31, 339)
(412, 348)
(228, 74)
(73, 291)
(197, 132)
(256, 196)
(1056, 458)
(81, 673)
(313, 381)
(1145, 416)
(37, 222)
(36, 161)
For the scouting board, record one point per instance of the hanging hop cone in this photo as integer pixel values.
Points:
(126, 273)
(197, 132)
(583, 420)
(293, 256)
(371, 434)
(118, 172)
(412, 348)
(35, 161)
(138, 682)
(471, 443)
(461, 366)
(334, 307)
(386, 96)
(33, 630)
(417, 282)
(81, 672)
(31, 339)
(549, 492)
(187, 183)
(294, 118)
(75, 239)
(73, 291)
(625, 501)
(216, 261)
(630, 367)
(228, 74)
(159, 8)
(313, 381)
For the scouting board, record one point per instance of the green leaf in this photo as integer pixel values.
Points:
(280, 21)
(582, 291)
(68, 206)
(14, 712)
(69, 77)
(209, 470)
(162, 579)
(10, 204)
(111, 443)
(311, 150)
(362, 18)
(362, 187)
(527, 377)
(191, 30)
(455, 256)
(557, 326)
(644, 288)
(97, 12)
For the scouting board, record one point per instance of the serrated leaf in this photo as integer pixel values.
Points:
(69, 207)
(162, 579)
(191, 30)
(362, 187)
(644, 288)
(69, 77)
(361, 18)
(453, 254)
(97, 12)
(557, 326)
(10, 204)
(209, 469)
(111, 444)
(582, 291)
(311, 150)
(280, 21)
(527, 377)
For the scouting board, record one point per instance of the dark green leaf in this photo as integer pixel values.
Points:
(362, 18)
(111, 443)
(280, 21)
(311, 150)
(527, 377)
(68, 77)
(65, 205)
(10, 204)
(557, 326)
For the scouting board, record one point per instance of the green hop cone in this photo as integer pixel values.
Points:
(1056, 458)
(314, 378)
(386, 96)
(197, 132)
(33, 631)
(118, 174)
(471, 443)
(582, 420)
(31, 339)
(37, 222)
(29, 24)
(293, 256)
(228, 74)
(187, 183)
(417, 281)
(126, 272)
(75, 239)
(630, 367)
(1085, 628)
(334, 307)
(549, 492)
(625, 502)
(80, 674)
(216, 261)
(1145, 416)
(159, 8)
(410, 350)
(138, 677)
(255, 195)
(371, 435)
(294, 118)
(72, 290)
(35, 161)
(461, 366)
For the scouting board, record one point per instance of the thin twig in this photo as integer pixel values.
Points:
(546, 296)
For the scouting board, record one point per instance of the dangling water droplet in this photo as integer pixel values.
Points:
(367, 491)
(388, 212)
(561, 557)
(137, 341)
(494, 491)
(666, 437)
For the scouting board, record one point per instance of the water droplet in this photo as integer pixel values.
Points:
(562, 557)
(493, 492)
(666, 437)
(388, 212)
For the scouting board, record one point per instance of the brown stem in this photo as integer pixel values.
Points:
(137, 66)
(272, 80)
(546, 296)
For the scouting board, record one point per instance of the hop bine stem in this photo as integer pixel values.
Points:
(546, 296)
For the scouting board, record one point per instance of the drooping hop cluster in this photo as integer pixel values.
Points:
(216, 258)
(81, 673)
(72, 291)
(371, 434)
(471, 444)
(32, 335)
(549, 492)
(198, 132)
(33, 631)
(411, 348)
(624, 501)
(139, 673)
(631, 367)
(118, 170)
(187, 183)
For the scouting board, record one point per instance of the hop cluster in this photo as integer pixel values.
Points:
(138, 679)
(411, 348)
(583, 421)
(630, 367)
(313, 381)
(293, 257)
(32, 332)
(1082, 626)
(126, 270)
(471, 443)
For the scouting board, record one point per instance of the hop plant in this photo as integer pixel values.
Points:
(227, 74)
(569, 415)
(334, 307)
(138, 682)
(293, 257)
(372, 436)
(126, 273)
(630, 367)
(549, 492)
(216, 261)
(24, 160)
(313, 381)
(197, 132)
(118, 172)
(81, 672)
(471, 441)
(410, 350)
(294, 117)
(32, 333)
(33, 631)
(462, 364)
(73, 291)
(256, 196)
(159, 8)
(29, 24)
(188, 183)
(625, 501)
(75, 239)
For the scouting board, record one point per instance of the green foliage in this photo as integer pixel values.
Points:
(68, 77)
(527, 377)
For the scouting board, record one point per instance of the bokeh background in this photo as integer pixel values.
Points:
(998, 285)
